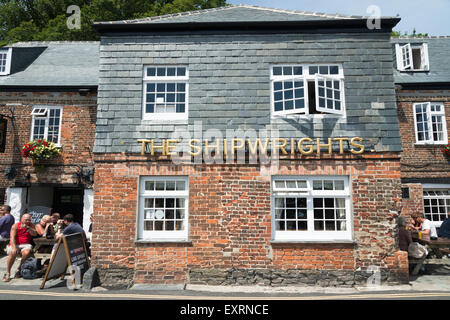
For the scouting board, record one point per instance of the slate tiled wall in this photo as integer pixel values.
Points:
(230, 85)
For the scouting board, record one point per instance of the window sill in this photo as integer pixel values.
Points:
(430, 144)
(415, 70)
(313, 241)
(307, 116)
(155, 241)
(164, 121)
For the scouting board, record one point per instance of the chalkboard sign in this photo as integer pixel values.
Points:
(37, 213)
(70, 251)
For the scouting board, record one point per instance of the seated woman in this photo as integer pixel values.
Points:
(45, 227)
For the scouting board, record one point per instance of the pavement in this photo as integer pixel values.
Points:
(436, 282)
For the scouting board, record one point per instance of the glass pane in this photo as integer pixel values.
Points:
(338, 185)
(170, 203)
(170, 214)
(148, 225)
(159, 225)
(171, 72)
(180, 203)
(181, 185)
(180, 214)
(317, 185)
(328, 185)
(149, 203)
(170, 185)
(170, 225)
(179, 225)
(181, 72)
(151, 72)
(159, 203)
(149, 185)
(159, 185)
(297, 71)
(277, 71)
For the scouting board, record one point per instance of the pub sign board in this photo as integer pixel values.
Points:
(70, 253)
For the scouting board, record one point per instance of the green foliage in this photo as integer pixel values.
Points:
(40, 150)
(405, 34)
(46, 20)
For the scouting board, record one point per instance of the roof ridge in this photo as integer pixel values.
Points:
(228, 7)
(317, 14)
(178, 14)
(28, 43)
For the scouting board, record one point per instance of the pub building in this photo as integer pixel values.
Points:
(422, 80)
(190, 104)
(48, 90)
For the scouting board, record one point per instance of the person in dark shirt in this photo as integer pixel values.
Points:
(444, 230)
(6, 222)
(404, 236)
(71, 227)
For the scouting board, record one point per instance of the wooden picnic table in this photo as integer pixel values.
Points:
(43, 248)
(437, 247)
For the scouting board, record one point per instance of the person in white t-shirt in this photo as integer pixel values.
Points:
(427, 226)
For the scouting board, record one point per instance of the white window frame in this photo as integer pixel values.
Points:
(436, 187)
(165, 116)
(163, 235)
(310, 194)
(307, 77)
(38, 115)
(430, 115)
(8, 52)
(404, 53)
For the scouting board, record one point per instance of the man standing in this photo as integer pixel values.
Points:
(6, 222)
(20, 243)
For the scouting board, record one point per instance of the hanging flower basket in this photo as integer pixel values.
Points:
(40, 151)
(446, 150)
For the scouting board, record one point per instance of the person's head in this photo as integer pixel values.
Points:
(46, 219)
(419, 217)
(55, 217)
(5, 209)
(26, 219)
(68, 219)
(401, 221)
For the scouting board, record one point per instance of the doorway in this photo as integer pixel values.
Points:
(69, 200)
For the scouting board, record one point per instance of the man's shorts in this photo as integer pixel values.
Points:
(20, 247)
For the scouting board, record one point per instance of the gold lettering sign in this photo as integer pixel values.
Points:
(304, 146)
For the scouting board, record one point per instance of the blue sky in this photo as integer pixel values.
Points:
(426, 16)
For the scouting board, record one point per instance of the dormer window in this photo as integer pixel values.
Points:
(412, 57)
(5, 61)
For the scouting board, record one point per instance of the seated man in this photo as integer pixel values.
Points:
(71, 227)
(6, 222)
(20, 243)
(427, 229)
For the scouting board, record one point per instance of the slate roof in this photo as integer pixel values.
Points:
(54, 64)
(439, 59)
(234, 14)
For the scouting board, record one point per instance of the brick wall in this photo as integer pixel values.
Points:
(77, 135)
(421, 161)
(230, 225)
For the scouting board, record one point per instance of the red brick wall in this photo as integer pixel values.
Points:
(77, 134)
(421, 161)
(230, 219)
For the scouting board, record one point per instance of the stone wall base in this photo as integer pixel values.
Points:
(116, 278)
(277, 278)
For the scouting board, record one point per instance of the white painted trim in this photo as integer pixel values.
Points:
(310, 234)
(165, 117)
(306, 76)
(162, 235)
(47, 118)
(8, 61)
